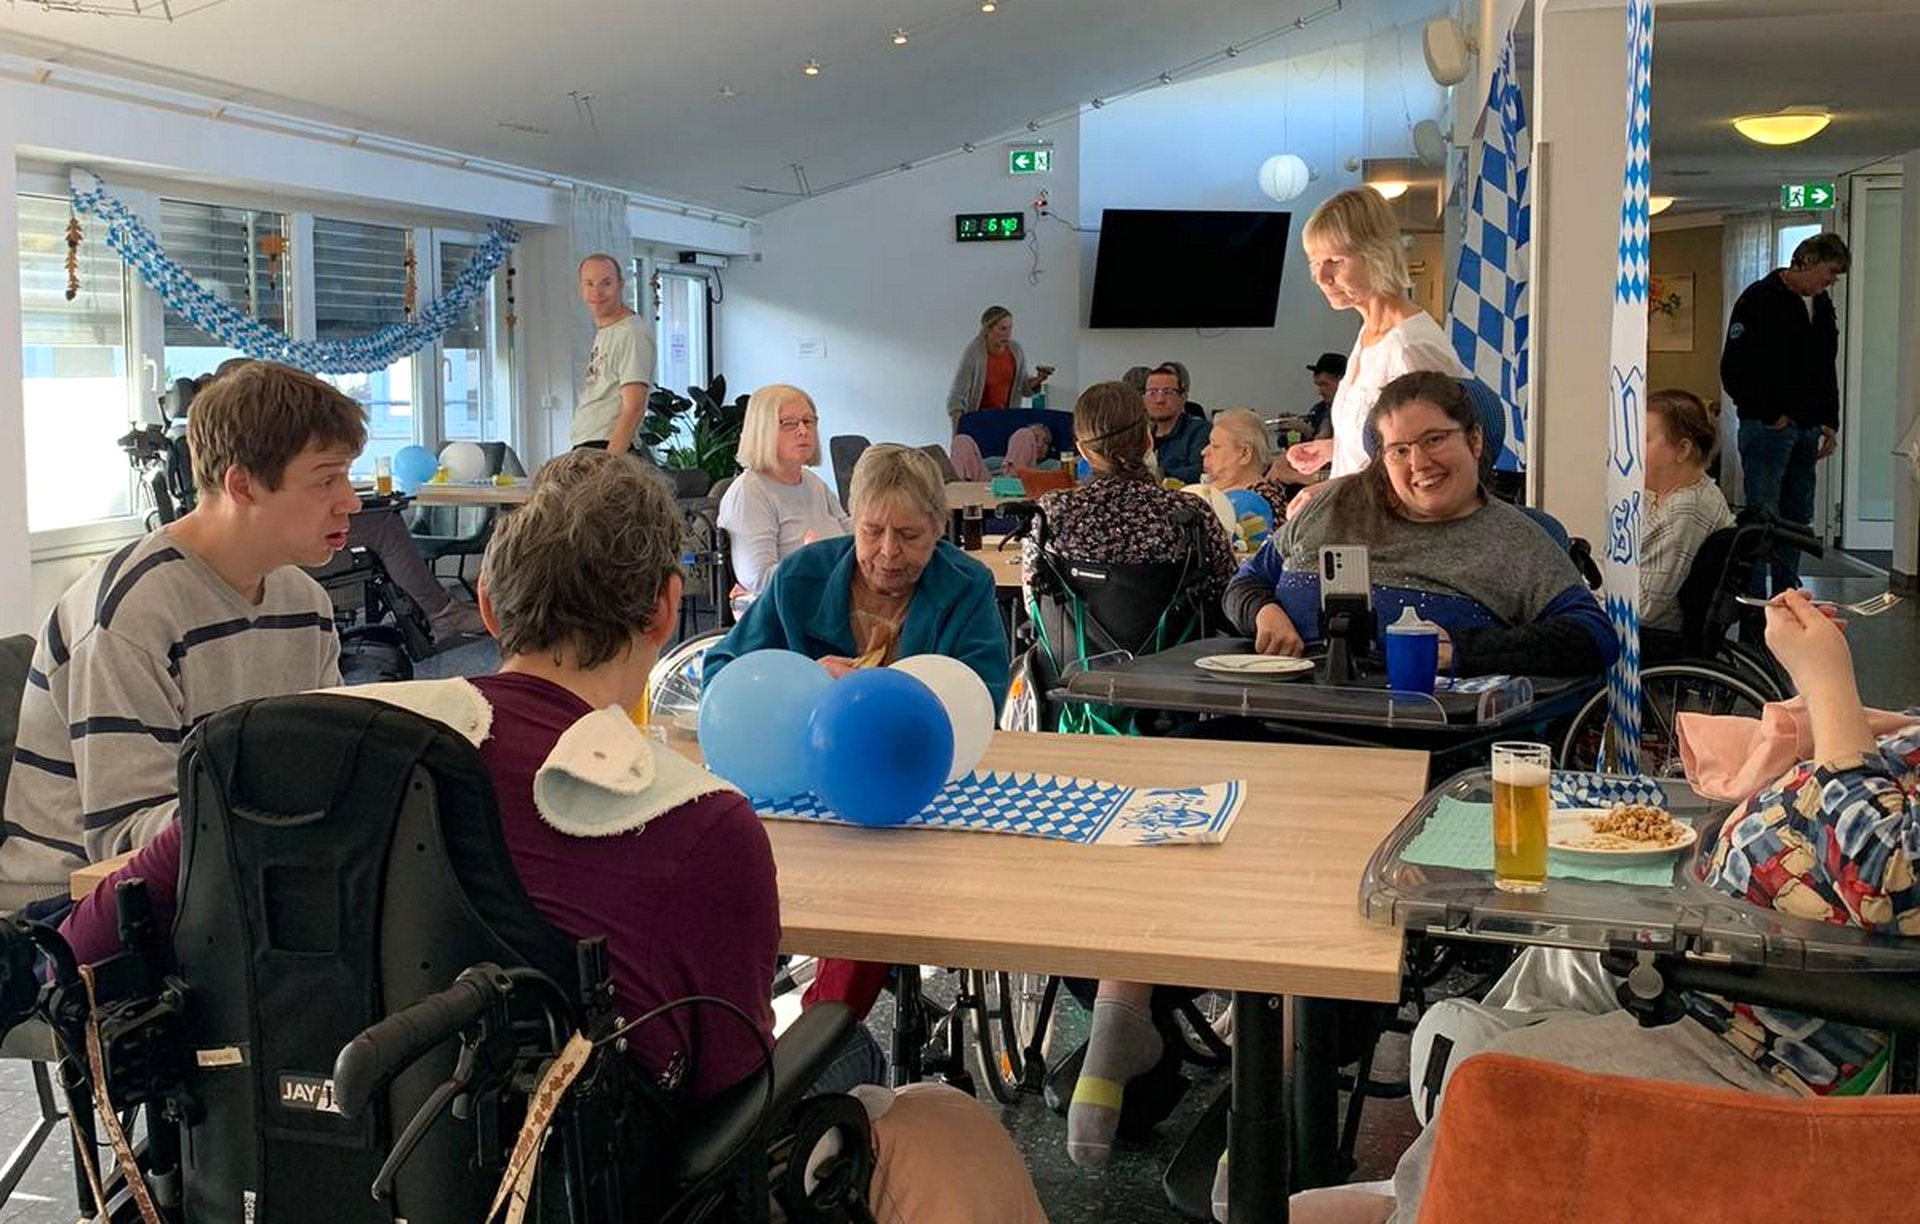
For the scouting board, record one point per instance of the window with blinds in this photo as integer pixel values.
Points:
(240, 255)
(74, 386)
(359, 277)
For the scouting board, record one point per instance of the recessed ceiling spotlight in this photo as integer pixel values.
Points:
(811, 67)
(728, 91)
(899, 38)
(1783, 127)
(1391, 189)
(988, 6)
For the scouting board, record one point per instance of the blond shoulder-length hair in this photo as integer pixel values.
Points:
(1360, 222)
(759, 449)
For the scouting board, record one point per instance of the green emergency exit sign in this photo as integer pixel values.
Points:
(1029, 161)
(1806, 195)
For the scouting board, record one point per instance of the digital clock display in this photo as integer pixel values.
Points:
(989, 227)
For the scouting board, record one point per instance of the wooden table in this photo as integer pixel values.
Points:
(1268, 913)
(1004, 562)
(488, 494)
(961, 494)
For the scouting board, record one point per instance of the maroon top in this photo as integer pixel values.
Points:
(688, 902)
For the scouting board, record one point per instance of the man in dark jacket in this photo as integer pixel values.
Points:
(1779, 365)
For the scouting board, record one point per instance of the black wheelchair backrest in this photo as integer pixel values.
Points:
(341, 859)
(1097, 607)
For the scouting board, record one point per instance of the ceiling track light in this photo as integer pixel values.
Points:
(811, 67)
(899, 38)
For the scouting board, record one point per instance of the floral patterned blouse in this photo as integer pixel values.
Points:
(1129, 520)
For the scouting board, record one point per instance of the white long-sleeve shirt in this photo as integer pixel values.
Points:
(1415, 343)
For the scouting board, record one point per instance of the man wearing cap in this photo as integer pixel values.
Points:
(1327, 373)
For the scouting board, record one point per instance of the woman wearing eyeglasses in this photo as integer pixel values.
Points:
(1353, 247)
(1506, 598)
(776, 506)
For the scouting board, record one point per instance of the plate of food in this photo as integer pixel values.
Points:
(1624, 832)
(1254, 665)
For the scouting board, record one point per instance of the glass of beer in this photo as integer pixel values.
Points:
(1521, 802)
(383, 475)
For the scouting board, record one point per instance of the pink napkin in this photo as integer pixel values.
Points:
(967, 460)
(1731, 758)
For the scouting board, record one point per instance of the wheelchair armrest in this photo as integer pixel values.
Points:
(721, 1127)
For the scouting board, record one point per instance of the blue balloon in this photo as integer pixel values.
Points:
(1246, 501)
(413, 466)
(882, 746)
(753, 721)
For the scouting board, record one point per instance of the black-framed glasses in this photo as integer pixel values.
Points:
(1401, 453)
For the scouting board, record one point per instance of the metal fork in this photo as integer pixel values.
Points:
(1872, 606)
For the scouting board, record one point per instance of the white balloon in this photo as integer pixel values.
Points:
(1218, 503)
(1284, 176)
(968, 704)
(464, 461)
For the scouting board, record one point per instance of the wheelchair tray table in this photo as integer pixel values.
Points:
(1170, 680)
(1689, 917)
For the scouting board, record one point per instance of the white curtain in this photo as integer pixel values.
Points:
(597, 226)
(1746, 255)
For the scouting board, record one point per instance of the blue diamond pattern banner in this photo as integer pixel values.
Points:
(1627, 398)
(137, 246)
(1489, 314)
(1077, 810)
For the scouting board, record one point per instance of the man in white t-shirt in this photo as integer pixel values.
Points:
(619, 374)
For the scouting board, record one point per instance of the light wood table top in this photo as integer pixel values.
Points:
(489, 494)
(1273, 908)
(961, 494)
(1004, 562)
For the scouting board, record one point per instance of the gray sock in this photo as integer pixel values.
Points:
(1122, 1044)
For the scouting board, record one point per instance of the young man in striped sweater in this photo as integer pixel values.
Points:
(196, 616)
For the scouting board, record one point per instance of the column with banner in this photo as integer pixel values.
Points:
(1626, 399)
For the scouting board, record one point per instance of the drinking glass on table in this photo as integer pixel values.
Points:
(1521, 803)
(383, 475)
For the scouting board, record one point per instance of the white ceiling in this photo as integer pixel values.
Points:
(1715, 61)
(457, 73)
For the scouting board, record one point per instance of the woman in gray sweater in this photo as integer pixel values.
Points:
(993, 369)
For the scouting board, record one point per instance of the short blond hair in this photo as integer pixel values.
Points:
(580, 567)
(1244, 426)
(759, 448)
(1360, 222)
(888, 471)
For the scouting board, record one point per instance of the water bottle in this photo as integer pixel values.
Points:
(1040, 397)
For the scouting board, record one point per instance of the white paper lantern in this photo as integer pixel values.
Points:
(1284, 176)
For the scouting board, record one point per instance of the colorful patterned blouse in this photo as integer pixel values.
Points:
(1122, 520)
(1837, 842)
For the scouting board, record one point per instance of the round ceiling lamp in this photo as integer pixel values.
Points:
(1284, 176)
(1784, 127)
(1657, 204)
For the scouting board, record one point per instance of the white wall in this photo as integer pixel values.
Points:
(114, 134)
(1906, 494)
(874, 272)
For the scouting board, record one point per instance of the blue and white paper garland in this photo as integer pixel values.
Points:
(137, 246)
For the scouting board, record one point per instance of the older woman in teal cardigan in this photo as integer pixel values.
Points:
(893, 588)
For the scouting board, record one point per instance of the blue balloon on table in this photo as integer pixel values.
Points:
(882, 746)
(1246, 501)
(753, 721)
(413, 466)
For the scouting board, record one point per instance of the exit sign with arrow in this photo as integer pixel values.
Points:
(1029, 161)
(1806, 195)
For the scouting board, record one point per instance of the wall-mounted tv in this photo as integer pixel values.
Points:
(1188, 268)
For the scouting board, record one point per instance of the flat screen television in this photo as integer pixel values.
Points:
(1188, 268)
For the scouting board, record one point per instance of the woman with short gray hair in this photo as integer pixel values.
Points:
(895, 588)
(1236, 457)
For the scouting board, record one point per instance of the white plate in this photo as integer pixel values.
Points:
(1568, 825)
(1254, 665)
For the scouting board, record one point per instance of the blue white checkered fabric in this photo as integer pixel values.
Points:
(1573, 790)
(1489, 314)
(1063, 809)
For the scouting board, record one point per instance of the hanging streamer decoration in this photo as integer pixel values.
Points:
(1627, 399)
(73, 256)
(377, 350)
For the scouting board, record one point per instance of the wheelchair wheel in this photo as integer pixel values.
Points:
(673, 686)
(1666, 692)
(1010, 1012)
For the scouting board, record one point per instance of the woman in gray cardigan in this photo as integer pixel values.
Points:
(993, 369)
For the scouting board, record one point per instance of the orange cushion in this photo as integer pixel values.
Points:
(1036, 482)
(1521, 1140)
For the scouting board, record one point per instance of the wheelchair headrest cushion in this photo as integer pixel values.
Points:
(605, 776)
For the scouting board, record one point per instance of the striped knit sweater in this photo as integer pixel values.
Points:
(136, 653)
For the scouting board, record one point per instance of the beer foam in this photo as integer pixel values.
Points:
(1511, 772)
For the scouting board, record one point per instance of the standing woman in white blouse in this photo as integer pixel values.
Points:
(776, 506)
(1354, 250)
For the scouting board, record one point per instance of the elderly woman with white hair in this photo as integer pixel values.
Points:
(1236, 457)
(1353, 248)
(776, 506)
(895, 588)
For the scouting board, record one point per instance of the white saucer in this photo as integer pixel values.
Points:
(1566, 826)
(1254, 665)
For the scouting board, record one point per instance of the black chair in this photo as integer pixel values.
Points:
(346, 894)
(845, 451)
